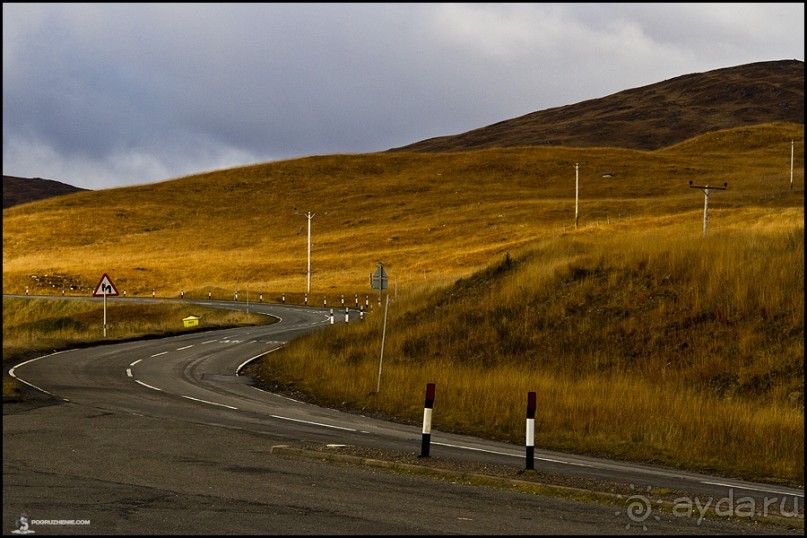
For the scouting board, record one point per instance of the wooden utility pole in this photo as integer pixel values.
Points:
(706, 189)
(576, 194)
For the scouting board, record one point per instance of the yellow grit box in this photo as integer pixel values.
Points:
(191, 321)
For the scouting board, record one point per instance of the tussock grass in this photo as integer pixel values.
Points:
(660, 346)
(642, 338)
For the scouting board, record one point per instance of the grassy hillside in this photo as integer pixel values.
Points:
(653, 116)
(653, 345)
(21, 190)
(426, 216)
(643, 339)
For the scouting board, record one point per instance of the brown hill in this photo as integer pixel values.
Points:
(21, 190)
(650, 117)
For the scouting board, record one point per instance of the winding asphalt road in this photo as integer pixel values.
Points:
(179, 404)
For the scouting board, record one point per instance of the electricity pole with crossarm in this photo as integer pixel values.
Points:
(706, 189)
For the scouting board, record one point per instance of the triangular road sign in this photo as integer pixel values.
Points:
(105, 287)
(379, 280)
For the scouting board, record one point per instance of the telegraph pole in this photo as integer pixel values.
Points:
(706, 189)
(576, 194)
(310, 216)
(791, 165)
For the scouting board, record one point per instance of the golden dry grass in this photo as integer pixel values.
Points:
(643, 339)
(659, 346)
(424, 215)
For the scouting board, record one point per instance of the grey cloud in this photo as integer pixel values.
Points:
(115, 94)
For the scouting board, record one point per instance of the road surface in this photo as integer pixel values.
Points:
(164, 436)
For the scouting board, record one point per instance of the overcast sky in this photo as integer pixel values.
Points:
(108, 95)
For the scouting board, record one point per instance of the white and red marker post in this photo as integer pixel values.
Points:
(427, 421)
(530, 431)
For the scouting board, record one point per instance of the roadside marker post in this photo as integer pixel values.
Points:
(530, 431)
(427, 421)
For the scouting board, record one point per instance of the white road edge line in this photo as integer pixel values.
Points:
(211, 403)
(313, 423)
(752, 488)
(147, 385)
(508, 454)
(240, 366)
(12, 374)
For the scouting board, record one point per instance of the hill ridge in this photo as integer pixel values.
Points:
(21, 190)
(649, 117)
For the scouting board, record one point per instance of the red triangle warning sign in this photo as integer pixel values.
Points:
(105, 287)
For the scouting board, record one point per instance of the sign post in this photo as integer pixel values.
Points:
(379, 281)
(105, 287)
(383, 337)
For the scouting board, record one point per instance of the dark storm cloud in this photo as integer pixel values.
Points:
(102, 95)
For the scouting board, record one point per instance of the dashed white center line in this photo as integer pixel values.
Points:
(158, 354)
(186, 347)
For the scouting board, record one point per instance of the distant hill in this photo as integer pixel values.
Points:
(650, 117)
(21, 190)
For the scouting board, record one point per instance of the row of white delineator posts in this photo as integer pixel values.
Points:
(347, 315)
